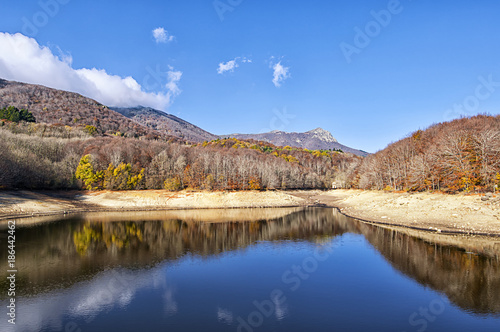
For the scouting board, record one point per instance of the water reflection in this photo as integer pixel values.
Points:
(75, 248)
(469, 279)
(81, 266)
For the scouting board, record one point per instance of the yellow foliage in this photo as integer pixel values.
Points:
(85, 172)
(208, 184)
(417, 136)
(122, 177)
(91, 130)
(172, 184)
(134, 180)
(254, 184)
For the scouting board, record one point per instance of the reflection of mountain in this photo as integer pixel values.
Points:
(79, 248)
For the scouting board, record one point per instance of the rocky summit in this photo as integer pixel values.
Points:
(316, 139)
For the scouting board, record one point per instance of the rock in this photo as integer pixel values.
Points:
(485, 198)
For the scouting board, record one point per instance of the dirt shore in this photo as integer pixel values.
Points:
(18, 204)
(468, 214)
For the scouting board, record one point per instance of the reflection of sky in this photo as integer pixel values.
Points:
(117, 289)
(107, 291)
(352, 289)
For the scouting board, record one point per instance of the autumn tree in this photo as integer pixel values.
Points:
(92, 180)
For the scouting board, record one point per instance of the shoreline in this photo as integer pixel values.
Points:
(26, 204)
(434, 213)
(429, 212)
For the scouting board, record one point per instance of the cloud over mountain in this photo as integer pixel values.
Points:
(23, 59)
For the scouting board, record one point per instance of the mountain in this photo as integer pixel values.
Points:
(54, 106)
(316, 139)
(166, 123)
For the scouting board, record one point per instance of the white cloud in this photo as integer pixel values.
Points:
(228, 66)
(231, 65)
(280, 74)
(162, 36)
(173, 79)
(23, 59)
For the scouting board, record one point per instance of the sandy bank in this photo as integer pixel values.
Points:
(26, 204)
(440, 213)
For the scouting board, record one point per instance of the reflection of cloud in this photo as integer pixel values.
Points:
(170, 303)
(104, 292)
(86, 300)
(225, 316)
(281, 309)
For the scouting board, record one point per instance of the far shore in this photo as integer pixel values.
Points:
(463, 214)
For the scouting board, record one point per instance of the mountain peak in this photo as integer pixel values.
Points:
(322, 134)
(316, 139)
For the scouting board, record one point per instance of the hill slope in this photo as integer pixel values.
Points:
(67, 108)
(461, 155)
(317, 139)
(166, 123)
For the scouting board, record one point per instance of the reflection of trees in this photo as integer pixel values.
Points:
(95, 236)
(61, 253)
(173, 238)
(470, 281)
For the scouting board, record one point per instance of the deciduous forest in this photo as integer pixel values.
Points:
(458, 156)
(461, 155)
(40, 156)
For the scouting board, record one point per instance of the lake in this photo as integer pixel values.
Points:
(291, 269)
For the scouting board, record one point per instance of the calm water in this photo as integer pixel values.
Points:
(254, 270)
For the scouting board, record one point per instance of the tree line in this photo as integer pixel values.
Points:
(38, 156)
(458, 156)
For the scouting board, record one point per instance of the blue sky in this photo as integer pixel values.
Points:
(413, 64)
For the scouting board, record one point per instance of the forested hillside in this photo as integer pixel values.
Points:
(71, 109)
(165, 123)
(40, 156)
(461, 155)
